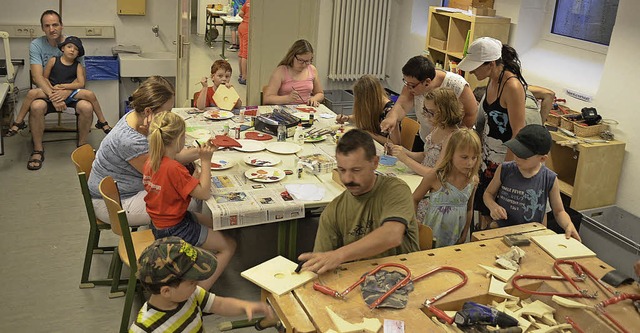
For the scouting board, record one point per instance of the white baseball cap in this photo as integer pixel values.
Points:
(480, 51)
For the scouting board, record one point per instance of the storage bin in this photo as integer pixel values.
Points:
(339, 101)
(614, 235)
(102, 68)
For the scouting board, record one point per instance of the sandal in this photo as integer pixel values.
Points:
(37, 163)
(19, 127)
(101, 125)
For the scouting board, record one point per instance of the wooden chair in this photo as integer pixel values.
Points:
(408, 133)
(83, 158)
(425, 237)
(130, 246)
(262, 94)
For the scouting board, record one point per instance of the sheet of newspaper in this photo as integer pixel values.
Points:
(238, 202)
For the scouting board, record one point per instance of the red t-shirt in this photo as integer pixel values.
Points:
(168, 192)
(209, 101)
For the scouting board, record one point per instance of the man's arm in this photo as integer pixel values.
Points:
(547, 98)
(403, 105)
(37, 76)
(387, 236)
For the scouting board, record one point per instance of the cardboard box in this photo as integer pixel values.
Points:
(483, 11)
(438, 43)
(465, 4)
(271, 127)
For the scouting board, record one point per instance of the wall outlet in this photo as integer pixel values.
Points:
(579, 95)
(93, 31)
(24, 31)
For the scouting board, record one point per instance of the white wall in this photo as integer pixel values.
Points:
(617, 97)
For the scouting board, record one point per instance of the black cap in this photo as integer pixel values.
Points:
(75, 41)
(531, 140)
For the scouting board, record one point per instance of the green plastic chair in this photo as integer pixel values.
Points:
(83, 158)
(130, 246)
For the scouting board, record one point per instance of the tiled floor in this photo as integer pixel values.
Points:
(44, 233)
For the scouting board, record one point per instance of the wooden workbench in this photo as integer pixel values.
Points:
(527, 229)
(303, 309)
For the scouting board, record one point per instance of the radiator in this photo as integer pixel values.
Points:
(359, 39)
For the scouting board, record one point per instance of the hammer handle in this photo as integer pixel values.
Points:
(440, 314)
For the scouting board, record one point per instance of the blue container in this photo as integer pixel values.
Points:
(102, 68)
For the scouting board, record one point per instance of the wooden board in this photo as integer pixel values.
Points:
(499, 232)
(277, 275)
(225, 98)
(561, 248)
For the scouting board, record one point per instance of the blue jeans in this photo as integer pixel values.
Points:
(188, 229)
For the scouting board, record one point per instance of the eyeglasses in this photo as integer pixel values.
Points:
(427, 113)
(306, 62)
(411, 85)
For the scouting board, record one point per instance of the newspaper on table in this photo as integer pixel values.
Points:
(238, 202)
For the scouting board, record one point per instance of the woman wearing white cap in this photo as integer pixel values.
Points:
(503, 106)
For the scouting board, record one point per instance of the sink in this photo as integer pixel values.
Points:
(148, 64)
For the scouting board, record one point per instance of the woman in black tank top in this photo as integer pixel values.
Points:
(503, 106)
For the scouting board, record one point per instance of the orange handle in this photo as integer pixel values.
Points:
(440, 314)
(325, 290)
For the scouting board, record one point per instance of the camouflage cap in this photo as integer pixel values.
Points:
(382, 281)
(172, 258)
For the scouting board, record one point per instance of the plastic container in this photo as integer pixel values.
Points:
(102, 68)
(614, 235)
(298, 136)
(339, 101)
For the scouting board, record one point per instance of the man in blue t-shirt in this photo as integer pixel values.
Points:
(40, 50)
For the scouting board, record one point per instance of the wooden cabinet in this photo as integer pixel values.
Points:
(447, 33)
(132, 7)
(588, 173)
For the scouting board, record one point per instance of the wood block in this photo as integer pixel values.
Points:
(370, 325)
(559, 247)
(225, 98)
(496, 288)
(502, 274)
(277, 275)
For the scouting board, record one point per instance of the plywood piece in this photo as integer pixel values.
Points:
(225, 98)
(496, 288)
(503, 274)
(277, 275)
(558, 247)
(371, 325)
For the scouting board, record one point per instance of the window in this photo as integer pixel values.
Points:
(587, 20)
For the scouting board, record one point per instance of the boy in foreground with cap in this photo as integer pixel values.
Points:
(63, 72)
(519, 191)
(170, 269)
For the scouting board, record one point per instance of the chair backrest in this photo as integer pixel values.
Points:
(83, 158)
(262, 94)
(408, 133)
(111, 196)
(425, 237)
(118, 217)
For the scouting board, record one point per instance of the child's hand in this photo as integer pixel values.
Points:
(572, 232)
(229, 85)
(397, 151)
(498, 213)
(313, 102)
(206, 152)
(252, 308)
(203, 81)
(341, 119)
(294, 96)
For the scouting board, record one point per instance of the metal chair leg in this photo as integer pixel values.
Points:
(115, 284)
(128, 302)
(88, 256)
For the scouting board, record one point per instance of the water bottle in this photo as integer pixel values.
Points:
(282, 132)
(298, 137)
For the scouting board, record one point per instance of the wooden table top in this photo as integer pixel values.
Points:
(527, 229)
(303, 310)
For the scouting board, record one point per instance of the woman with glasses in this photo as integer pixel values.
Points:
(420, 77)
(295, 80)
(503, 107)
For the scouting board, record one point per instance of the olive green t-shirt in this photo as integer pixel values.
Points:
(348, 218)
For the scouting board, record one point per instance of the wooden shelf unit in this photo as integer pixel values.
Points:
(588, 173)
(447, 33)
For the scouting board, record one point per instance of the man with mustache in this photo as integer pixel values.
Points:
(374, 217)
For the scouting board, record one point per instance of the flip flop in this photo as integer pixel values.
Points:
(37, 162)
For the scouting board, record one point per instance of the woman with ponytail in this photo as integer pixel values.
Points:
(503, 107)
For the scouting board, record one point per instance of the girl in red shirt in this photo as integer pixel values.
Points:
(170, 187)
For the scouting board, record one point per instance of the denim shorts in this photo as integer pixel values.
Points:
(188, 229)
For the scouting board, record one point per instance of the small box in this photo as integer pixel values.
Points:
(267, 125)
(465, 4)
(481, 11)
(438, 43)
(318, 163)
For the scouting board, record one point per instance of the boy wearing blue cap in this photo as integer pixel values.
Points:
(63, 72)
(519, 191)
(170, 269)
